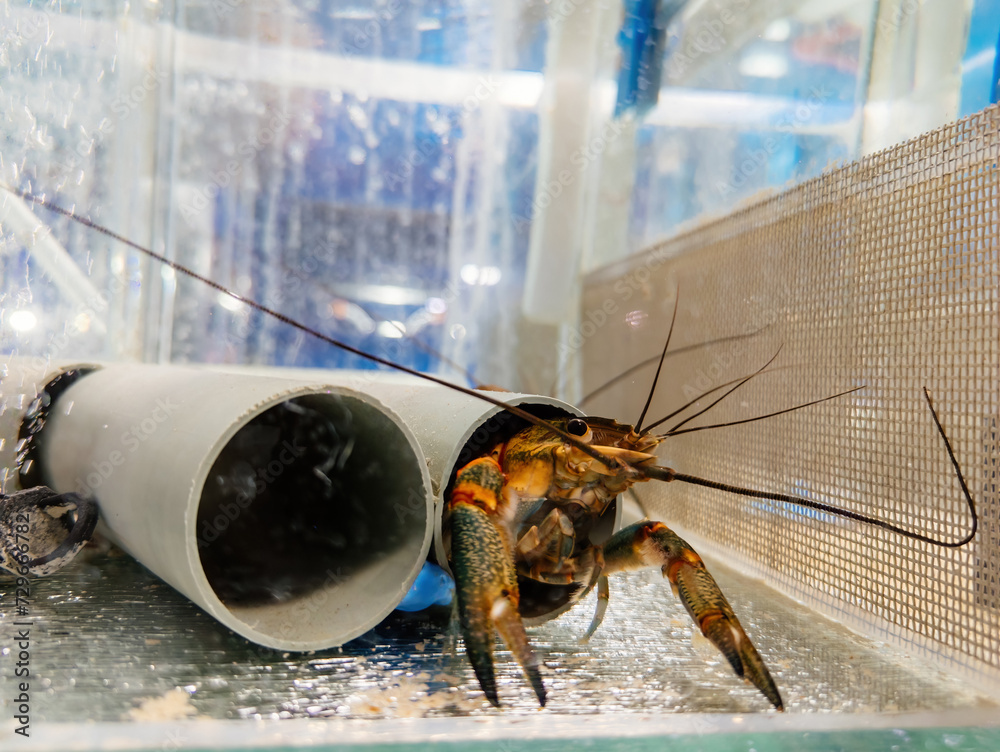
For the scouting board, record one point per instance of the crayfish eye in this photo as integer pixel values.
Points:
(577, 427)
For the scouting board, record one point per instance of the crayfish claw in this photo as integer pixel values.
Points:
(511, 628)
(710, 610)
(485, 579)
(729, 637)
(654, 544)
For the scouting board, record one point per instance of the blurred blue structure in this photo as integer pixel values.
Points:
(642, 41)
(981, 62)
(433, 587)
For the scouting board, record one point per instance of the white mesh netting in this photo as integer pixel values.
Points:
(883, 273)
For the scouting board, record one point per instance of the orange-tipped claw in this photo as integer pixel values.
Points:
(654, 544)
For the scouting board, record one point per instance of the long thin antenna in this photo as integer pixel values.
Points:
(701, 412)
(673, 353)
(768, 415)
(659, 366)
(519, 412)
(666, 474)
(704, 394)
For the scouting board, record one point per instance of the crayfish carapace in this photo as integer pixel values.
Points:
(525, 510)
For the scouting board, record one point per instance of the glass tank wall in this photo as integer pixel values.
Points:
(428, 182)
(423, 180)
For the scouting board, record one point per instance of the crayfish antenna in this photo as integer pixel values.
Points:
(659, 366)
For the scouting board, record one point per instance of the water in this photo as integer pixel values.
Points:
(109, 636)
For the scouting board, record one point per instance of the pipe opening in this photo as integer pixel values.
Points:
(314, 512)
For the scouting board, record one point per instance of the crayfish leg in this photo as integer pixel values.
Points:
(551, 541)
(603, 595)
(647, 544)
(485, 578)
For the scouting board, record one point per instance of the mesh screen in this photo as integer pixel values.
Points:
(882, 273)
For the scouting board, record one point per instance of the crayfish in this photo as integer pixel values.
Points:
(525, 510)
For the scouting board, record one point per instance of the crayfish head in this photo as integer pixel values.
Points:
(626, 463)
(628, 452)
(605, 432)
(622, 451)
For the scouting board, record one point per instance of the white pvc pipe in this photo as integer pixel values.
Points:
(296, 515)
(451, 428)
